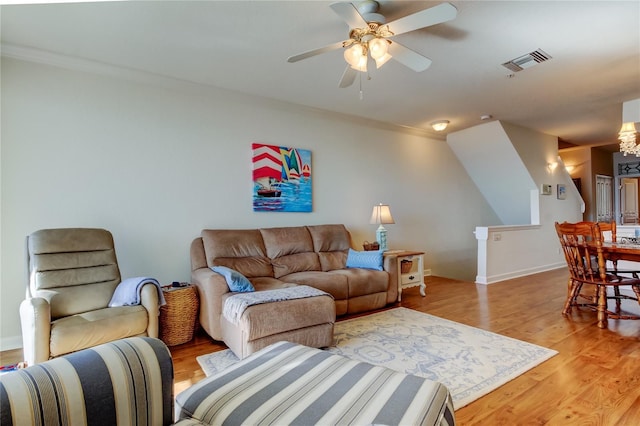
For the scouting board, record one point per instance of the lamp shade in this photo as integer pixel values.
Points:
(381, 214)
(628, 127)
(627, 136)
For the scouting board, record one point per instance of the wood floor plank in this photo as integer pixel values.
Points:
(606, 400)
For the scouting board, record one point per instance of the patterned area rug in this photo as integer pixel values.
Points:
(471, 362)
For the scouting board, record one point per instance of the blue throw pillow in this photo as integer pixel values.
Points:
(235, 280)
(365, 259)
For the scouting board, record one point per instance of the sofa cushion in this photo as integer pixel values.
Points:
(335, 285)
(239, 249)
(365, 259)
(269, 283)
(331, 242)
(363, 281)
(290, 250)
(332, 260)
(235, 280)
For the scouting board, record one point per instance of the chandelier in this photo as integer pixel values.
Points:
(627, 136)
(371, 40)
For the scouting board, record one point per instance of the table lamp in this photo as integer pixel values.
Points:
(381, 215)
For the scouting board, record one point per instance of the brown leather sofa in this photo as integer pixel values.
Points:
(282, 257)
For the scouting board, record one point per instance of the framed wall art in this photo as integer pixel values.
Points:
(562, 191)
(281, 179)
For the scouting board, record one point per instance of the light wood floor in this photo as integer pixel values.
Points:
(594, 380)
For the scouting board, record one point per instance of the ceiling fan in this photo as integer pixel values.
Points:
(369, 35)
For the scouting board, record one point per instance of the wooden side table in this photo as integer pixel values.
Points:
(178, 316)
(410, 270)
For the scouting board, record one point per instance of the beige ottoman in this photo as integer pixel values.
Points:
(307, 321)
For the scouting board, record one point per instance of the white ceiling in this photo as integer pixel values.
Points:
(244, 46)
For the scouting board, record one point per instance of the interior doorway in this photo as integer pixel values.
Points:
(629, 201)
(604, 198)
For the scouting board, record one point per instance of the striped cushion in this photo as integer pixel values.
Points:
(128, 381)
(287, 383)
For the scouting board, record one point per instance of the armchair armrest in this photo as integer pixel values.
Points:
(35, 319)
(211, 289)
(150, 300)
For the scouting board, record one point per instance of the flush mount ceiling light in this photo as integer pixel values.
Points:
(440, 125)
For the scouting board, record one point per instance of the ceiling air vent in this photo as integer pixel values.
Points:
(527, 61)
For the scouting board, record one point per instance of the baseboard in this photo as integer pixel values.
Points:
(427, 272)
(8, 343)
(517, 274)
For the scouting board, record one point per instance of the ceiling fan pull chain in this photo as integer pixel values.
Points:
(361, 92)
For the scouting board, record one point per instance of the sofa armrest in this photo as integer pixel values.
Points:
(35, 320)
(390, 264)
(150, 300)
(211, 289)
(128, 381)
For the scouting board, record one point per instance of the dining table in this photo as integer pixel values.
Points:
(625, 249)
(621, 250)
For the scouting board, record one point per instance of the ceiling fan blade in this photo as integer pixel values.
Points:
(349, 13)
(314, 52)
(408, 57)
(425, 18)
(348, 77)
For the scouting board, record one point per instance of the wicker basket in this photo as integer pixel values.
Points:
(371, 246)
(178, 316)
(405, 266)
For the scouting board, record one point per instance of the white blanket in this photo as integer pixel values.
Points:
(128, 292)
(235, 305)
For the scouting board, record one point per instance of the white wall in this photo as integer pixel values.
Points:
(155, 161)
(493, 163)
(506, 252)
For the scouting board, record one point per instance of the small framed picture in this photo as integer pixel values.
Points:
(562, 191)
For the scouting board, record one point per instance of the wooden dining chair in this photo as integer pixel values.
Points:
(582, 247)
(608, 227)
(634, 272)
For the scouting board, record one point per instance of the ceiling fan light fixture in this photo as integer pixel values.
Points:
(380, 62)
(369, 35)
(353, 54)
(440, 125)
(361, 64)
(378, 47)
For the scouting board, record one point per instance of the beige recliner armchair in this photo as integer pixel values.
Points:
(72, 276)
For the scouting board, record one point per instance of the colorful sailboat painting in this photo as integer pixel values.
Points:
(281, 178)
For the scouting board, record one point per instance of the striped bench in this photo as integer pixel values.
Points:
(287, 383)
